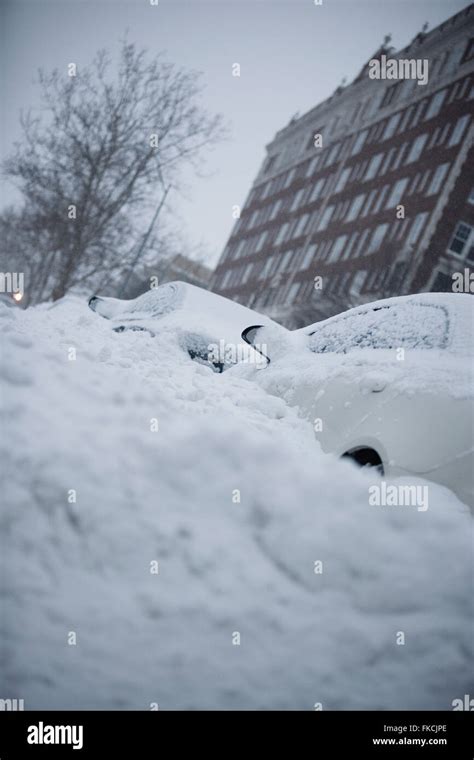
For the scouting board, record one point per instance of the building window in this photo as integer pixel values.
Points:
(261, 240)
(414, 183)
(434, 138)
(281, 234)
(392, 125)
(374, 166)
(275, 208)
(406, 118)
(226, 278)
(325, 218)
(349, 245)
(344, 208)
(358, 282)
(424, 180)
(293, 292)
(443, 134)
(322, 249)
(297, 199)
(360, 248)
(246, 274)
(329, 183)
(393, 230)
(337, 210)
(359, 142)
(437, 179)
(309, 256)
(397, 192)
(312, 166)
(372, 132)
(342, 181)
(240, 249)
(270, 267)
(356, 206)
(285, 260)
(419, 110)
(252, 220)
(380, 199)
(469, 52)
(391, 94)
(417, 148)
(462, 239)
(435, 104)
(299, 255)
(403, 225)
(289, 177)
(443, 283)
(470, 198)
(363, 169)
(458, 130)
(460, 89)
(370, 199)
(399, 156)
(388, 160)
(377, 238)
(354, 172)
(316, 190)
(337, 248)
(332, 155)
(417, 226)
(300, 225)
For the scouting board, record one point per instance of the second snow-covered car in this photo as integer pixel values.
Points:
(389, 384)
(205, 325)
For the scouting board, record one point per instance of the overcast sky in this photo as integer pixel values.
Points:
(292, 55)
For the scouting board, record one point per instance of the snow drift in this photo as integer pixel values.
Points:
(118, 452)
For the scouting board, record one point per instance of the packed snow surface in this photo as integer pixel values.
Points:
(118, 453)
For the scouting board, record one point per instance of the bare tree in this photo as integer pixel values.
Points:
(97, 165)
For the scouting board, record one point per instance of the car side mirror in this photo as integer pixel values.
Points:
(250, 336)
(270, 341)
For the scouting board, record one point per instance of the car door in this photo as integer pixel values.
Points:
(345, 401)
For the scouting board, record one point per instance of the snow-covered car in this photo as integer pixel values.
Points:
(388, 384)
(206, 326)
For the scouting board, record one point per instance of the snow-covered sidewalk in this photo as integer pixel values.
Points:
(130, 458)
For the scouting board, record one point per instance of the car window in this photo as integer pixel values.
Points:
(408, 325)
(199, 348)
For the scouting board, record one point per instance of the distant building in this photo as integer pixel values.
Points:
(371, 190)
(176, 267)
(182, 268)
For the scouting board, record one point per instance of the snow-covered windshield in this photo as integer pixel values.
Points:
(407, 325)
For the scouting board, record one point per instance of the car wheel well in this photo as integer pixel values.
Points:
(365, 456)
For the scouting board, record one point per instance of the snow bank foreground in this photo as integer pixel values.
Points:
(224, 567)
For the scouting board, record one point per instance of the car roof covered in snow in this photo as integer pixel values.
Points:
(182, 306)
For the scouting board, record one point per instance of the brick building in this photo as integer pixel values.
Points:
(380, 204)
